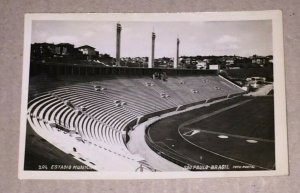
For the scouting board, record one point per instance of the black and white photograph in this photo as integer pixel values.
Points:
(157, 95)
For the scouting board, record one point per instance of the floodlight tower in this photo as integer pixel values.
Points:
(176, 61)
(151, 61)
(118, 47)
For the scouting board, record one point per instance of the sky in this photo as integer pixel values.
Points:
(241, 38)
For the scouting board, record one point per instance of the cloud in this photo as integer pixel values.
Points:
(227, 42)
(227, 39)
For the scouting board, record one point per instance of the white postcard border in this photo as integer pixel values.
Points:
(281, 154)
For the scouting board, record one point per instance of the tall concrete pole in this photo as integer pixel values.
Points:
(118, 47)
(176, 59)
(151, 61)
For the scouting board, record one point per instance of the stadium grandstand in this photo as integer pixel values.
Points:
(88, 113)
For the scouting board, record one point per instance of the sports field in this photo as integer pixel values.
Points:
(236, 134)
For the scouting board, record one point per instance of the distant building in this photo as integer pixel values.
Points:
(89, 51)
(188, 60)
(48, 51)
(229, 62)
(261, 60)
(201, 65)
(214, 67)
(42, 50)
(164, 62)
(64, 49)
(62, 52)
(134, 61)
(207, 61)
(258, 61)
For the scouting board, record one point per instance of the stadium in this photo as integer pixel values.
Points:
(91, 117)
(194, 118)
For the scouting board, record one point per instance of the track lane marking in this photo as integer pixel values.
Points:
(209, 115)
(229, 135)
(178, 154)
(222, 155)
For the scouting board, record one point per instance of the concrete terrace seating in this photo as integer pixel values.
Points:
(40, 119)
(136, 96)
(89, 119)
(102, 117)
(98, 104)
(210, 86)
(183, 91)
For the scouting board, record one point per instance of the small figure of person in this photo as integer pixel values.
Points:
(158, 76)
(155, 75)
(164, 76)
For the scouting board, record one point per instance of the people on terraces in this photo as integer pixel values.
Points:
(160, 76)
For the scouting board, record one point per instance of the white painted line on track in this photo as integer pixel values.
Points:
(209, 115)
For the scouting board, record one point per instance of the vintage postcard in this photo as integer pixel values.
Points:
(153, 95)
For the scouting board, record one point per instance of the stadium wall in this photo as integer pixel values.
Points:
(251, 72)
(56, 69)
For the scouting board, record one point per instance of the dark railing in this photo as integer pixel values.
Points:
(92, 70)
(250, 72)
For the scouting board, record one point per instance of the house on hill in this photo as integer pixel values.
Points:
(42, 50)
(64, 49)
(89, 51)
